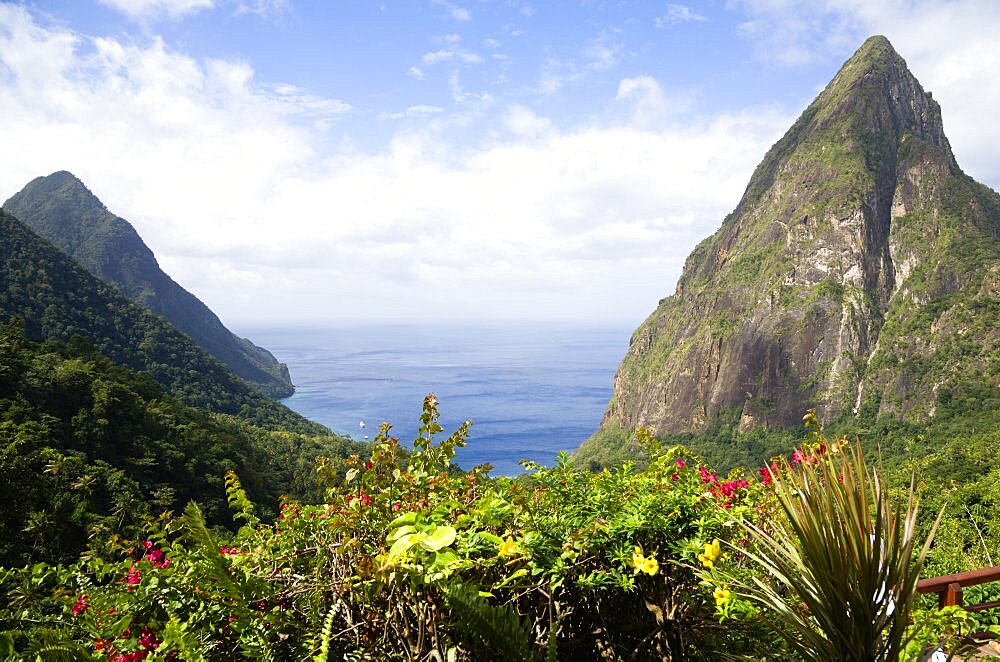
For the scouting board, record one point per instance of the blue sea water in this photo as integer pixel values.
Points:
(531, 390)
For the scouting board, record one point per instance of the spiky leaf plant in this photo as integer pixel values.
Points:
(843, 559)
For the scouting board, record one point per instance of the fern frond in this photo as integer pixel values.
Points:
(239, 501)
(326, 633)
(499, 627)
(204, 542)
(54, 645)
(176, 633)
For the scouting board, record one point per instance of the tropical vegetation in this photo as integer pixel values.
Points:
(409, 558)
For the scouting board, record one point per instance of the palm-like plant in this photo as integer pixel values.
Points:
(842, 558)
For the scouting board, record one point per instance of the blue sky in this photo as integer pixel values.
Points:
(430, 159)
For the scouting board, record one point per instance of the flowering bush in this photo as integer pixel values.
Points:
(410, 558)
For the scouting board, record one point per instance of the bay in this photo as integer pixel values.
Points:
(531, 390)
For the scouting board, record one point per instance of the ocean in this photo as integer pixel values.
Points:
(530, 390)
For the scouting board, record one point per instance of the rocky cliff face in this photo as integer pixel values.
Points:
(859, 271)
(62, 209)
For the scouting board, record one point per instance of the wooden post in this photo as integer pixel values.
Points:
(951, 596)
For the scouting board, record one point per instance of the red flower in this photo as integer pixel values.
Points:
(765, 473)
(80, 606)
(133, 577)
(675, 478)
(707, 477)
(148, 639)
(156, 559)
(681, 463)
(148, 545)
(368, 465)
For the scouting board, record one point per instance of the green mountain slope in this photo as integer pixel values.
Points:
(58, 299)
(89, 449)
(61, 209)
(859, 274)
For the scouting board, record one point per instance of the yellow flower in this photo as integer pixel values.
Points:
(637, 559)
(722, 596)
(508, 547)
(712, 551)
(650, 566)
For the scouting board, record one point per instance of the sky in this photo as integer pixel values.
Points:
(446, 160)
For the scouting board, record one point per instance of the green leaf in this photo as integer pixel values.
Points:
(520, 572)
(441, 536)
(6, 645)
(404, 543)
(406, 518)
(401, 531)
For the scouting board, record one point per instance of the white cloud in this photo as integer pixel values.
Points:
(413, 111)
(455, 12)
(522, 121)
(147, 9)
(225, 179)
(950, 47)
(600, 54)
(451, 55)
(263, 7)
(678, 14)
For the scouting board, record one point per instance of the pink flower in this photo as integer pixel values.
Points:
(133, 577)
(148, 639)
(148, 545)
(798, 456)
(707, 477)
(80, 606)
(156, 559)
(681, 463)
(765, 473)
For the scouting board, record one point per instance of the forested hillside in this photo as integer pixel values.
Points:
(61, 209)
(88, 449)
(56, 298)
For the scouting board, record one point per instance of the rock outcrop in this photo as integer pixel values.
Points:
(859, 273)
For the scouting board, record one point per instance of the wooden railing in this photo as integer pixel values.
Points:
(949, 587)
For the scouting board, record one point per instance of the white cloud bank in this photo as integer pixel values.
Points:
(249, 198)
(226, 180)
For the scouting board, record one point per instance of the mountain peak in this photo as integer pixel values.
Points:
(876, 84)
(836, 283)
(61, 208)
